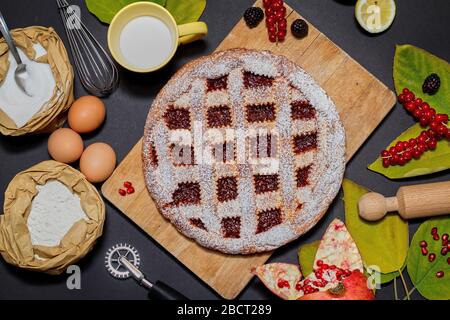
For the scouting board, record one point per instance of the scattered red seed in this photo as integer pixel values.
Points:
(439, 274)
(423, 244)
(431, 257)
(435, 237)
(444, 251)
(434, 231)
(424, 251)
(448, 260)
(122, 192)
(127, 184)
(319, 263)
(298, 287)
(130, 190)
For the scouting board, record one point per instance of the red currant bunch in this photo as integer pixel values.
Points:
(275, 19)
(404, 151)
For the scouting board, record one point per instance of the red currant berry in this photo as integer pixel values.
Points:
(418, 102)
(402, 161)
(417, 113)
(432, 144)
(422, 139)
(269, 12)
(422, 147)
(386, 162)
(410, 106)
(276, 6)
(385, 153)
(412, 142)
(423, 121)
(270, 21)
(392, 151)
(434, 125)
(408, 155)
(272, 38)
(448, 135)
(272, 30)
(425, 106)
(416, 154)
(399, 146)
(401, 98)
(441, 118)
(431, 133)
(409, 97)
(442, 130)
(282, 24)
(405, 90)
(396, 158)
(267, 3)
(279, 16)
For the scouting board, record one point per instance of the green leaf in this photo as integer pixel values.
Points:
(420, 270)
(411, 66)
(384, 277)
(185, 11)
(382, 243)
(105, 10)
(306, 256)
(431, 161)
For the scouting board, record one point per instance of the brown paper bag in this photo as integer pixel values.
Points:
(53, 114)
(15, 240)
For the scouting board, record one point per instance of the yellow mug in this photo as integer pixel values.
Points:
(179, 35)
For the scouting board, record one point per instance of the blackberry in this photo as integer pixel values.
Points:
(299, 28)
(253, 16)
(431, 84)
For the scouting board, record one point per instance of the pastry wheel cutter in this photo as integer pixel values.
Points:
(122, 262)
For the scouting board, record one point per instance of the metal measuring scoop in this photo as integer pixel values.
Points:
(20, 74)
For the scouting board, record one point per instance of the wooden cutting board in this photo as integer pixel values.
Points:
(362, 101)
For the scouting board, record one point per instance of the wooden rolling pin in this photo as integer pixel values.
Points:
(417, 201)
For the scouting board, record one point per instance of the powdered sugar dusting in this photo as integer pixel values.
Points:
(288, 83)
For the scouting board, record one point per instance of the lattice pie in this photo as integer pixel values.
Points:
(243, 151)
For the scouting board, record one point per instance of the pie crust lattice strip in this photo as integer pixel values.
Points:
(243, 151)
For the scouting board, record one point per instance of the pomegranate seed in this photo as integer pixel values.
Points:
(435, 237)
(325, 266)
(307, 282)
(298, 287)
(127, 184)
(431, 257)
(319, 263)
(347, 273)
(122, 192)
(444, 251)
(448, 260)
(423, 244)
(283, 284)
(434, 230)
(130, 190)
(445, 237)
(439, 274)
(424, 251)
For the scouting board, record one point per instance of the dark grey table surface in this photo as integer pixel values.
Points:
(422, 23)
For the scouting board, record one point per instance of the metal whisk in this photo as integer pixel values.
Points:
(97, 71)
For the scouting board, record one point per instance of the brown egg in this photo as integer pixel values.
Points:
(87, 114)
(98, 162)
(65, 145)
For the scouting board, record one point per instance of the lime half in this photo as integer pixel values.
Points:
(375, 16)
